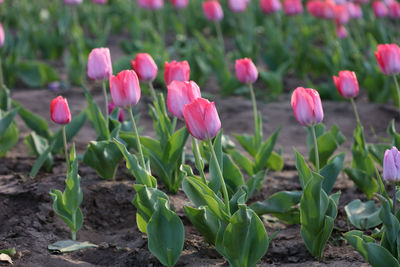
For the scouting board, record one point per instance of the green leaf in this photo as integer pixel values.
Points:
(205, 221)
(245, 240)
(10, 252)
(36, 74)
(96, 117)
(364, 182)
(6, 119)
(71, 129)
(166, 234)
(232, 175)
(395, 136)
(390, 239)
(263, 154)
(214, 182)
(104, 157)
(255, 182)
(247, 142)
(37, 146)
(275, 162)
(303, 169)
(9, 139)
(374, 254)
(377, 152)
(363, 215)
(5, 99)
(244, 163)
(331, 171)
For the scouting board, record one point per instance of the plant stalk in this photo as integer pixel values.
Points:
(353, 103)
(105, 102)
(220, 36)
(397, 90)
(220, 176)
(255, 112)
(65, 145)
(152, 92)
(394, 199)
(197, 159)
(137, 139)
(1, 75)
(315, 148)
(73, 235)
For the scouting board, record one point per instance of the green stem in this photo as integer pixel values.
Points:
(105, 102)
(257, 135)
(394, 199)
(220, 176)
(152, 92)
(355, 110)
(315, 148)
(220, 36)
(73, 235)
(1, 75)
(397, 90)
(137, 139)
(197, 159)
(65, 145)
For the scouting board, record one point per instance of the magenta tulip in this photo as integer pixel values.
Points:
(99, 64)
(59, 110)
(100, 2)
(125, 89)
(391, 165)
(176, 71)
(202, 119)
(292, 7)
(342, 15)
(270, 6)
(346, 84)
(73, 2)
(179, 4)
(151, 4)
(111, 107)
(2, 35)
(237, 6)
(246, 71)
(341, 31)
(145, 67)
(307, 106)
(388, 57)
(355, 10)
(212, 10)
(394, 10)
(380, 9)
(180, 94)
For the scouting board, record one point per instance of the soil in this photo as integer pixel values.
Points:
(29, 224)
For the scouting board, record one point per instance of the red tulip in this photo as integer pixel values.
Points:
(176, 71)
(394, 10)
(307, 106)
(202, 119)
(341, 31)
(355, 10)
(346, 84)
(125, 89)
(380, 9)
(270, 6)
(151, 4)
(2, 35)
(342, 15)
(237, 6)
(212, 10)
(59, 110)
(246, 71)
(180, 94)
(292, 7)
(111, 107)
(145, 67)
(388, 57)
(179, 4)
(99, 64)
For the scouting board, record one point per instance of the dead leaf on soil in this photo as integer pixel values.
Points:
(5, 257)
(66, 246)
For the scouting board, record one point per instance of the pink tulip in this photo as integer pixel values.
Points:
(99, 64)
(145, 67)
(180, 94)
(346, 84)
(355, 10)
(307, 106)
(176, 71)
(321, 9)
(342, 15)
(179, 4)
(202, 119)
(100, 2)
(388, 57)
(111, 107)
(151, 4)
(125, 89)
(292, 7)
(246, 71)
(341, 31)
(380, 9)
(391, 165)
(59, 110)
(2, 35)
(237, 6)
(394, 10)
(212, 10)
(270, 6)
(72, 2)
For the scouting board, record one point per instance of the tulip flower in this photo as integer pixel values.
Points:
(391, 170)
(2, 35)
(237, 6)
(212, 10)
(100, 2)
(151, 4)
(321, 9)
(181, 94)
(99, 64)
(111, 108)
(292, 7)
(342, 15)
(394, 10)
(347, 86)
(246, 71)
(179, 4)
(380, 9)
(388, 57)
(73, 2)
(145, 67)
(341, 31)
(307, 108)
(355, 10)
(176, 71)
(270, 6)
(60, 114)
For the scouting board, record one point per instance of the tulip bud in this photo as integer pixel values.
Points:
(321, 9)
(307, 106)
(59, 110)
(391, 165)
(179, 4)
(125, 89)
(380, 9)
(341, 31)
(342, 15)
(292, 7)
(346, 84)
(2, 35)
(237, 6)
(176, 71)
(99, 64)
(111, 107)
(270, 6)
(145, 67)
(100, 2)
(202, 119)
(388, 57)
(246, 71)
(212, 10)
(151, 4)
(394, 10)
(73, 2)
(355, 10)
(180, 94)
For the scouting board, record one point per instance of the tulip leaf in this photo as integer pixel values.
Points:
(37, 146)
(9, 139)
(264, 152)
(36, 74)
(104, 157)
(373, 253)
(205, 221)
(255, 182)
(244, 163)
(6, 119)
(5, 100)
(365, 182)
(377, 152)
(303, 169)
(214, 183)
(331, 171)
(391, 234)
(275, 162)
(244, 240)
(232, 175)
(363, 215)
(166, 234)
(247, 142)
(395, 136)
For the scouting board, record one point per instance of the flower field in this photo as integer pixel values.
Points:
(199, 133)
